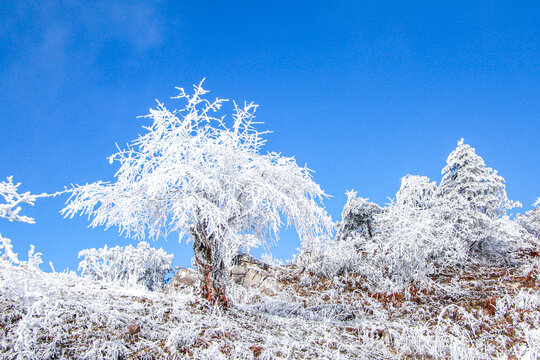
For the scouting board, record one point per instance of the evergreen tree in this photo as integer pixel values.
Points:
(475, 200)
(467, 180)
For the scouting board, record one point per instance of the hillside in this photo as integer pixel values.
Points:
(481, 313)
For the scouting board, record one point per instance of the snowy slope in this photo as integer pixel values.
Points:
(480, 315)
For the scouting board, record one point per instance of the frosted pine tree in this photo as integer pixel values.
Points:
(476, 197)
(193, 174)
(467, 178)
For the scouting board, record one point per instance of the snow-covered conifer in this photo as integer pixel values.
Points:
(357, 218)
(193, 174)
(475, 198)
(467, 178)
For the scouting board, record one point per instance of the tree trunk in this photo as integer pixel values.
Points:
(210, 264)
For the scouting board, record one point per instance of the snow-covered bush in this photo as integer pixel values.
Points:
(414, 239)
(531, 220)
(182, 338)
(6, 249)
(194, 174)
(128, 266)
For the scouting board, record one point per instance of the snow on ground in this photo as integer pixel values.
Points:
(481, 315)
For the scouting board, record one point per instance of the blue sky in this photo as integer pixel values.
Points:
(364, 92)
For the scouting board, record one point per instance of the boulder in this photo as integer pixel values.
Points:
(133, 329)
(251, 272)
(185, 277)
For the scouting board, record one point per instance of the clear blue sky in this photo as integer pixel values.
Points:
(364, 92)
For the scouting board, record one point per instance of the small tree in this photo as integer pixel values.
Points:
(357, 218)
(414, 240)
(192, 174)
(467, 178)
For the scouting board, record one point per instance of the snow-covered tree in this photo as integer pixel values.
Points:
(357, 218)
(476, 198)
(467, 178)
(531, 220)
(142, 265)
(417, 192)
(193, 174)
(414, 240)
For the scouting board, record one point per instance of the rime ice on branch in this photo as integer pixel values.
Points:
(193, 174)
(10, 210)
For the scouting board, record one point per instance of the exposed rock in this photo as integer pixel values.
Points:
(133, 329)
(267, 291)
(250, 261)
(185, 277)
(251, 272)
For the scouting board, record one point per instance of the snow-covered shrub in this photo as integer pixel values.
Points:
(129, 266)
(182, 338)
(414, 239)
(531, 220)
(11, 257)
(7, 249)
(34, 259)
(334, 258)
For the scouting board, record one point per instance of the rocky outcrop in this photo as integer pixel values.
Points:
(251, 272)
(185, 278)
(246, 270)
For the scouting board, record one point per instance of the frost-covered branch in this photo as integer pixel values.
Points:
(10, 210)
